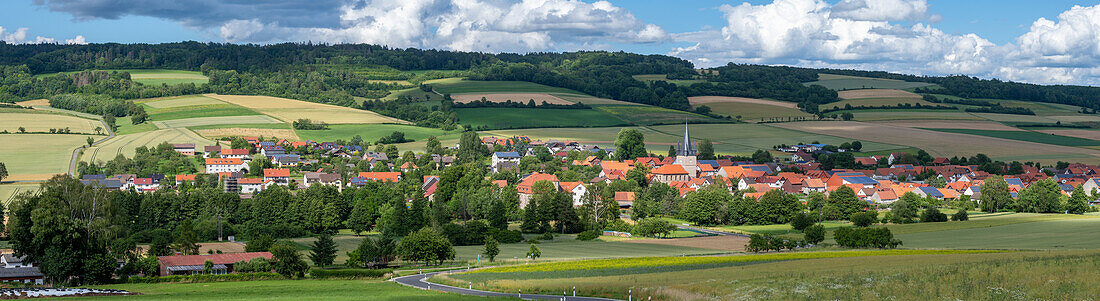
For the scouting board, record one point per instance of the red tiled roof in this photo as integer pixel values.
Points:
(250, 181)
(224, 161)
(276, 172)
(143, 181)
(234, 151)
(391, 176)
(624, 196)
(670, 169)
(185, 177)
(230, 258)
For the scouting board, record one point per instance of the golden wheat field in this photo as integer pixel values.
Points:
(290, 110)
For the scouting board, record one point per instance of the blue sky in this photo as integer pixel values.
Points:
(978, 37)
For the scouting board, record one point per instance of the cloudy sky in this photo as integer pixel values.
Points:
(1049, 42)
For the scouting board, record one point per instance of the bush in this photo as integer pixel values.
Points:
(589, 235)
(546, 236)
(506, 236)
(348, 273)
(932, 215)
(864, 219)
(814, 234)
(960, 216)
(865, 238)
(761, 243)
(532, 240)
(801, 220)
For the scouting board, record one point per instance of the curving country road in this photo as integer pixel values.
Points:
(76, 152)
(421, 281)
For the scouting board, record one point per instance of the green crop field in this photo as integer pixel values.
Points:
(43, 121)
(1033, 232)
(125, 126)
(38, 156)
(535, 118)
(309, 289)
(754, 111)
(158, 76)
(369, 132)
(883, 115)
(211, 110)
(7, 191)
(125, 144)
(650, 115)
(457, 86)
(566, 247)
(1026, 136)
(844, 82)
(833, 276)
(205, 121)
(880, 101)
(181, 101)
(661, 77)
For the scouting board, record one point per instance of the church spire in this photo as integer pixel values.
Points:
(685, 147)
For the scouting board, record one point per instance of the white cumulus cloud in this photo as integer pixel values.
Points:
(19, 36)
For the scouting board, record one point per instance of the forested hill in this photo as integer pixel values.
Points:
(329, 74)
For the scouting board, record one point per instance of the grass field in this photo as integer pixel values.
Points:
(879, 101)
(290, 110)
(245, 132)
(539, 98)
(125, 144)
(34, 121)
(939, 143)
(650, 115)
(369, 132)
(125, 126)
(753, 111)
(197, 111)
(158, 76)
(844, 82)
(38, 156)
(884, 115)
(1014, 231)
(7, 191)
(180, 101)
(279, 290)
(568, 248)
(536, 118)
(204, 121)
(461, 86)
(662, 77)
(1026, 136)
(948, 276)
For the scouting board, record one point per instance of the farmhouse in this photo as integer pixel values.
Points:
(280, 176)
(320, 178)
(250, 185)
(187, 149)
(210, 151)
(237, 153)
(194, 264)
(381, 176)
(220, 165)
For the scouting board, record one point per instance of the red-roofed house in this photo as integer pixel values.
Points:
(184, 178)
(145, 184)
(670, 173)
(194, 264)
(238, 153)
(624, 198)
(280, 176)
(575, 189)
(391, 176)
(250, 185)
(220, 165)
(526, 186)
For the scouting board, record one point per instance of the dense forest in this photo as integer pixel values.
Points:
(333, 74)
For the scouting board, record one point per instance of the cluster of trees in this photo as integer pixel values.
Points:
(100, 105)
(435, 116)
(904, 106)
(162, 159)
(1043, 196)
(393, 138)
(1002, 110)
(17, 83)
(306, 124)
(484, 103)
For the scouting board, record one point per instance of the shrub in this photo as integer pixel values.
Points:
(801, 220)
(865, 238)
(532, 240)
(864, 219)
(588, 235)
(932, 215)
(814, 234)
(761, 243)
(348, 273)
(546, 236)
(960, 216)
(653, 228)
(506, 236)
(207, 278)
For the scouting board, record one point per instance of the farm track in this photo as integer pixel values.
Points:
(76, 152)
(420, 281)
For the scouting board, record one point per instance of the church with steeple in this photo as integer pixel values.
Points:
(685, 153)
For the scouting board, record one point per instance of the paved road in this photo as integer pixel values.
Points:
(76, 152)
(421, 281)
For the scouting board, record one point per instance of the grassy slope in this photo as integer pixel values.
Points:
(457, 86)
(1016, 231)
(843, 82)
(1026, 136)
(754, 111)
(26, 154)
(280, 290)
(369, 132)
(535, 118)
(156, 76)
(216, 110)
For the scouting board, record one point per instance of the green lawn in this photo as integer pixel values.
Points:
(369, 132)
(1026, 136)
(279, 290)
(650, 115)
(844, 82)
(503, 118)
(883, 101)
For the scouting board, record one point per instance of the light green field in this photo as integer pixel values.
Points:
(1027, 136)
(1019, 231)
(181, 101)
(662, 77)
(7, 191)
(458, 86)
(42, 122)
(369, 132)
(205, 121)
(950, 276)
(329, 289)
(844, 82)
(38, 156)
(592, 100)
(157, 76)
(754, 111)
(211, 110)
(125, 144)
(882, 101)
(536, 118)
(67, 112)
(568, 248)
(883, 115)
(125, 126)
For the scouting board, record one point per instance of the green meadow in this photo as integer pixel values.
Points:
(844, 82)
(308, 289)
(503, 118)
(369, 132)
(1026, 136)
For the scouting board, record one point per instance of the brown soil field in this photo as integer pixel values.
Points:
(941, 144)
(725, 243)
(290, 110)
(1087, 134)
(951, 124)
(36, 102)
(698, 100)
(30, 177)
(514, 97)
(877, 93)
(238, 132)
